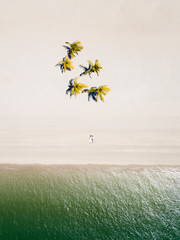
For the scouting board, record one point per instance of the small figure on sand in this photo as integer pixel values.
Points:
(91, 138)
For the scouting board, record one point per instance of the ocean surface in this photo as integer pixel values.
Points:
(102, 203)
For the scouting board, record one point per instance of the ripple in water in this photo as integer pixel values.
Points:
(89, 203)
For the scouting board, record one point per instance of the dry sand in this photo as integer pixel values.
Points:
(111, 147)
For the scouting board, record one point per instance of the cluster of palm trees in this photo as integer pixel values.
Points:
(75, 87)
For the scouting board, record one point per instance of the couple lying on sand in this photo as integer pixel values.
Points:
(91, 138)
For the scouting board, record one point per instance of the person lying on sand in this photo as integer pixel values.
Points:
(91, 138)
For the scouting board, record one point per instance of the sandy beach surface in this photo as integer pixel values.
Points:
(137, 45)
(111, 147)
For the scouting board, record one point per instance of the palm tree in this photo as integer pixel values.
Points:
(96, 67)
(65, 64)
(92, 68)
(97, 93)
(75, 88)
(74, 48)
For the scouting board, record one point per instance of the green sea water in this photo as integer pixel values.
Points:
(102, 203)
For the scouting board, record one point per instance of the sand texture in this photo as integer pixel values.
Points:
(115, 147)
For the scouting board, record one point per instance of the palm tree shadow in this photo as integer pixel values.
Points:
(70, 86)
(68, 51)
(61, 67)
(85, 69)
(92, 96)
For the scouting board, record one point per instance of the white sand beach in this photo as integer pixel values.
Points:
(112, 146)
(137, 44)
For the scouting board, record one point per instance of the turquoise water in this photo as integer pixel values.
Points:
(89, 203)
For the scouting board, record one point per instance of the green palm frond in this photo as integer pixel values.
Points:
(93, 68)
(93, 89)
(90, 63)
(88, 71)
(77, 87)
(96, 93)
(97, 67)
(72, 90)
(74, 48)
(102, 90)
(81, 85)
(101, 97)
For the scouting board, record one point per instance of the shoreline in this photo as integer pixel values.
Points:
(17, 167)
